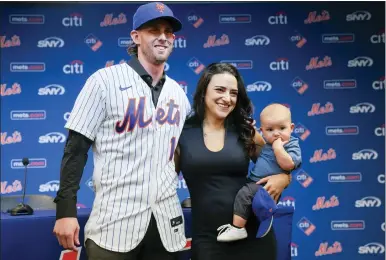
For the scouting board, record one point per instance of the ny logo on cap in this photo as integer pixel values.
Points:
(160, 7)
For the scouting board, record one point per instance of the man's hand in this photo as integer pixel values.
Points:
(67, 232)
(275, 184)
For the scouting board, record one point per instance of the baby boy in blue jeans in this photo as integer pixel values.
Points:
(281, 153)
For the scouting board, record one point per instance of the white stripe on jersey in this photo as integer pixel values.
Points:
(133, 152)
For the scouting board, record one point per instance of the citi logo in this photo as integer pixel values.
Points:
(279, 64)
(66, 116)
(358, 16)
(365, 154)
(75, 67)
(259, 86)
(179, 42)
(279, 18)
(52, 138)
(51, 42)
(368, 202)
(378, 38)
(361, 61)
(362, 108)
(74, 20)
(379, 84)
(52, 90)
(257, 40)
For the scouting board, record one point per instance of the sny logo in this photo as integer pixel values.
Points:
(75, 67)
(368, 202)
(362, 108)
(52, 186)
(195, 65)
(51, 42)
(361, 61)
(135, 116)
(259, 86)
(53, 138)
(75, 19)
(257, 40)
(306, 226)
(303, 178)
(365, 154)
(358, 16)
(372, 248)
(52, 90)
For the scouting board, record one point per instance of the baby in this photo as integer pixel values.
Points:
(281, 153)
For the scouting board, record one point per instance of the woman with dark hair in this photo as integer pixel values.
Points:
(214, 151)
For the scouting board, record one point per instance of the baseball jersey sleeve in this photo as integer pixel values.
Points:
(293, 149)
(89, 109)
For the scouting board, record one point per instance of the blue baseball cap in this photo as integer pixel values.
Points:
(152, 11)
(264, 207)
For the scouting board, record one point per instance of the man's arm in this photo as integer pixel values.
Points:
(73, 162)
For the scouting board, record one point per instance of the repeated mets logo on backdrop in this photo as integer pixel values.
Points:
(11, 139)
(304, 178)
(365, 154)
(75, 67)
(317, 109)
(321, 156)
(12, 42)
(52, 90)
(110, 20)
(358, 16)
(213, 42)
(134, 115)
(27, 67)
(322, 203)
(15, 89)
(325, 249)
(313, 17)
(73, 20)
(306, 226)
(347, 224)
(372, 248)
(28, 115)
(279, 18)
(194, 19)
(26, 19)
(7, 188)
(345, 177)
(316, 63)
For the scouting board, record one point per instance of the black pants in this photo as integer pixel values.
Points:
(150, 248)
(244, 198)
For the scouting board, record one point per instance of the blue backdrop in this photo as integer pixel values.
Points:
(326, 61)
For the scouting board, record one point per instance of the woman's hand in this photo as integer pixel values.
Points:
(275, 184)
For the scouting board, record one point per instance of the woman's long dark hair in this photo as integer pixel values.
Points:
(240, 117)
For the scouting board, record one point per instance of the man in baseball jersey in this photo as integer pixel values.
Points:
(132, 115)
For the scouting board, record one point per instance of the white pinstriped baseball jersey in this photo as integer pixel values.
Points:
(134, 142)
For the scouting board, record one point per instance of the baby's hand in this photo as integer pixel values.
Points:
(278, 143)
